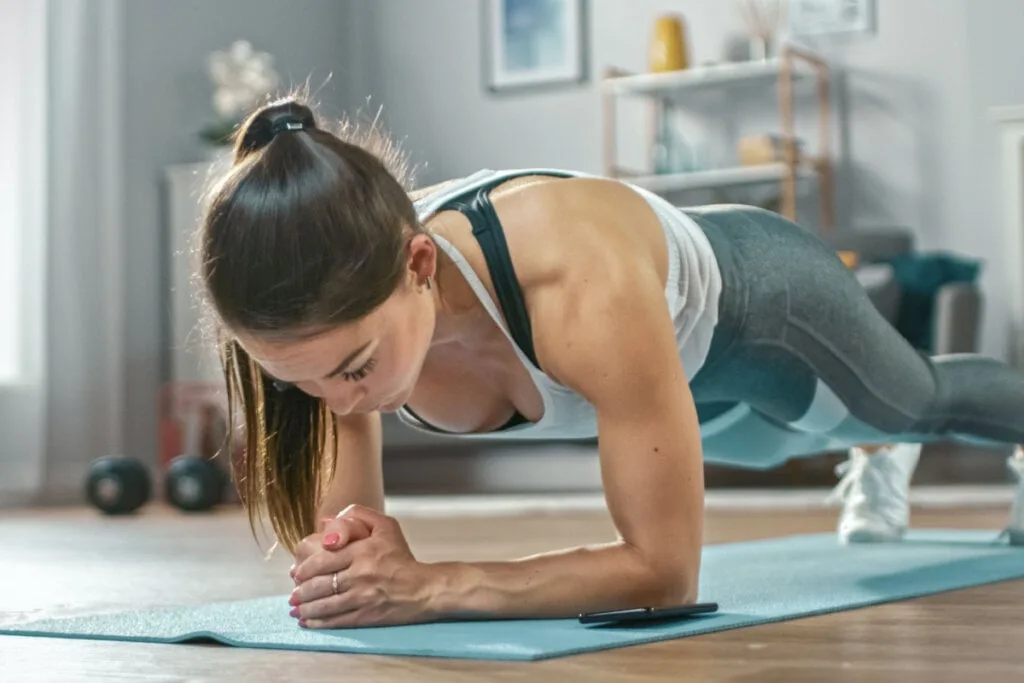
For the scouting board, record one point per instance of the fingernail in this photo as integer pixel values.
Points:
(331, 538)
(302, 623)
(294, 600)
(291, 571)
(294, 612)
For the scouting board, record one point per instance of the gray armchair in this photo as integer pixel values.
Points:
(957, 314)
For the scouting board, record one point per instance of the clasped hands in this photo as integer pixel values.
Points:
(358, 571)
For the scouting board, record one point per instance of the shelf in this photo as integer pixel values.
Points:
(700, 77)
(719, 177)
(775, 80)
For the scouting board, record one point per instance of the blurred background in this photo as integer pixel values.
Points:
(892, 127)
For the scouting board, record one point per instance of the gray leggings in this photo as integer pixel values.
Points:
(803, 363)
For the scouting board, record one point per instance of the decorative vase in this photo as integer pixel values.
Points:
(669, 51)
(760, 49)
(672, 152)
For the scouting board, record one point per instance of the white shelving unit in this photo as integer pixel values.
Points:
(687, 81)
(677, 88)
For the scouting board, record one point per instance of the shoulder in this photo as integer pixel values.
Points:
(583, 250)
(585, 224)
(596, 293)
(590, 253)
(564, 230)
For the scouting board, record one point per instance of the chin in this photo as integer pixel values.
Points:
(392, 405)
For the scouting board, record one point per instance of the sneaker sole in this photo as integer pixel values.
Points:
(866, 536)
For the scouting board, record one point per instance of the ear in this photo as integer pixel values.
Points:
(422, 263)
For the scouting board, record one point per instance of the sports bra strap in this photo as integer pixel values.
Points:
(491, 237)
(489, 234)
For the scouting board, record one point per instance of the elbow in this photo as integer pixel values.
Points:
(674, 588)
(670, 581)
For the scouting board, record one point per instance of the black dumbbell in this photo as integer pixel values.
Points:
(117, 485)
(194, 484)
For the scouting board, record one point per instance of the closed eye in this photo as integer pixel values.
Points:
(359, 373)
(356, 375)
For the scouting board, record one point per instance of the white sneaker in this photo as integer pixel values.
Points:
(1015, 525)
(875, 490)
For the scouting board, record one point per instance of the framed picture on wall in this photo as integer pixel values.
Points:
(533, 43)
(830, 17)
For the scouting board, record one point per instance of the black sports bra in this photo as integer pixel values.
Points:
(491, 237)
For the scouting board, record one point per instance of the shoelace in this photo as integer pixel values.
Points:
(849, 471)
(881, 495)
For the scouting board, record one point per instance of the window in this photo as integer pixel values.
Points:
(22, 185)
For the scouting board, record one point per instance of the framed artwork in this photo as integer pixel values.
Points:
(829, 17)
(533, 43)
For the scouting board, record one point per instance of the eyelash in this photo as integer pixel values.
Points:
(360, 373)
(352, 376)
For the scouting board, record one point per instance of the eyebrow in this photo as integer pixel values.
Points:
(343, 365)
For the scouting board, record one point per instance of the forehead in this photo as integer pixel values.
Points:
(311, 351)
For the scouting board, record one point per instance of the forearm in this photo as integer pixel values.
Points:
(561, 584)
(357, 477)
(336, 500)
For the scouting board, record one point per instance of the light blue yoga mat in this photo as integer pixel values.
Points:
(754, 583)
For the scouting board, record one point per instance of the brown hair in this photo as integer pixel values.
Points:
(306, 231)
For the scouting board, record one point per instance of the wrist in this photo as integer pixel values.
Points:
(448, 587)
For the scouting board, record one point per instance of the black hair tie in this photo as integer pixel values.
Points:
(287, 123)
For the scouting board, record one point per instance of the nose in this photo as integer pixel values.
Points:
(342, 400)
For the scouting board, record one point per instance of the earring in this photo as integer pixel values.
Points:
(428, 282)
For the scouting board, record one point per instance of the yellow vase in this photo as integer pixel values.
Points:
(668, 45)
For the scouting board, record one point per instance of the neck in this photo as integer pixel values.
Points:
(459, 316)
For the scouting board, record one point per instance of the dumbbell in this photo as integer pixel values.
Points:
(117, 485)
(194, 484)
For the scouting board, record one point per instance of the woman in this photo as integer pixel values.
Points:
(534, 305)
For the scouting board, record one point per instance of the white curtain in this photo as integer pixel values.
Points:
(23, 177)
(62, 406)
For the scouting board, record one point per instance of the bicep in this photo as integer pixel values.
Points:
(652, 468)
(358, 473)
(625, 361)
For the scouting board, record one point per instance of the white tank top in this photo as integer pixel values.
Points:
(692, 292)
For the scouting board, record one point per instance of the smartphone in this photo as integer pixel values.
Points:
(624, 616)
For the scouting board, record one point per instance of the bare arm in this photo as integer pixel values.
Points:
(358, 477)
(616, 347)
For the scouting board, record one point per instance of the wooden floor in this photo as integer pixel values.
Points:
(69, 562)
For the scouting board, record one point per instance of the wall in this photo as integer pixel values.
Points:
(914, 139)
(993, 29)
(167, 100)
(422, 63)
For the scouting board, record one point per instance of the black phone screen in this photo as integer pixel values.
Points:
(648, 613)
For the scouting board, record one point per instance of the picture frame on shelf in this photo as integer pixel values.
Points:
(533, 44)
